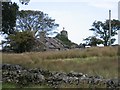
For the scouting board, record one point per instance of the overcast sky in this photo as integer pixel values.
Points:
(76, 16)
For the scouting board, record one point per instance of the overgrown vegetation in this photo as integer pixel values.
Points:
(19, 22)
(36, 21)
(21, 35)
(22, 41)
(9, 12)
(101, 30)
(65, 40)
(90, 61)
(78, 53)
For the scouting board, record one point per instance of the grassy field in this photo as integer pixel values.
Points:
(91, 61)
(66, 86)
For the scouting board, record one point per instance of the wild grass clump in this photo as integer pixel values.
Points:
(102, 51)
(93, 61)
(89, 52)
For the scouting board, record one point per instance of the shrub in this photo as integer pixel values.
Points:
(22, 41)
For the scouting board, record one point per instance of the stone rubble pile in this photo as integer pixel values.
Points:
(23, 76)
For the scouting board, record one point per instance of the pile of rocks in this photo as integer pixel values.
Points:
(23, 76)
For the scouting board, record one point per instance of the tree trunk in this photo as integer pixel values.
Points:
(105, 43)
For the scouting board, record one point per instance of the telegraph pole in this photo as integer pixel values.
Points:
(110, 26)
(119, 20)
(0, 16)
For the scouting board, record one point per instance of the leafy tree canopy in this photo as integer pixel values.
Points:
(35, 21)
(65, 40)
(9, 12)
(101, 30)
(93, 41)
(22, 41)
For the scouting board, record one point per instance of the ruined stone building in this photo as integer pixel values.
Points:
(50, 43)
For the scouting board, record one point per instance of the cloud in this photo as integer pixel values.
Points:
(105, 4)
(89, 1)
(74, 0)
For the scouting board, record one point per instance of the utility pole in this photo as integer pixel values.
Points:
(119, 20)
(0, 16)
(110, 26)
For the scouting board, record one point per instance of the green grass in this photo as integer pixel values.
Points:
(100, 61)
(90, 52)
(11, 85)
(8, 85)
(81, 85)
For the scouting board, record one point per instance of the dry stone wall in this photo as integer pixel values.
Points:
(23, 76)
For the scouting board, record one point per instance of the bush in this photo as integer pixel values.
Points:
(22, 41)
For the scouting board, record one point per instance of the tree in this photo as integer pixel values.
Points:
(102, 30)
(35, 21)
(65, 40)
(24, 1)
(9, 12)
(82, 45)
(93, 41)
(22, 41)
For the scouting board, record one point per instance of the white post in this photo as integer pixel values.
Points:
(0, 16)
(110, 26)
(1, 42)
(119, 20)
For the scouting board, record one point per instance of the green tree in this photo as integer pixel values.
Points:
(102, 30)
(24, 1)
(35, 21)
(9, 12)
(65, 40)
(93, 41)
(22, 41)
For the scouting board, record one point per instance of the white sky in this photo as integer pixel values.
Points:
(76, 16)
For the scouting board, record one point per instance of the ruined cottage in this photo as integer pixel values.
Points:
(50, 43)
